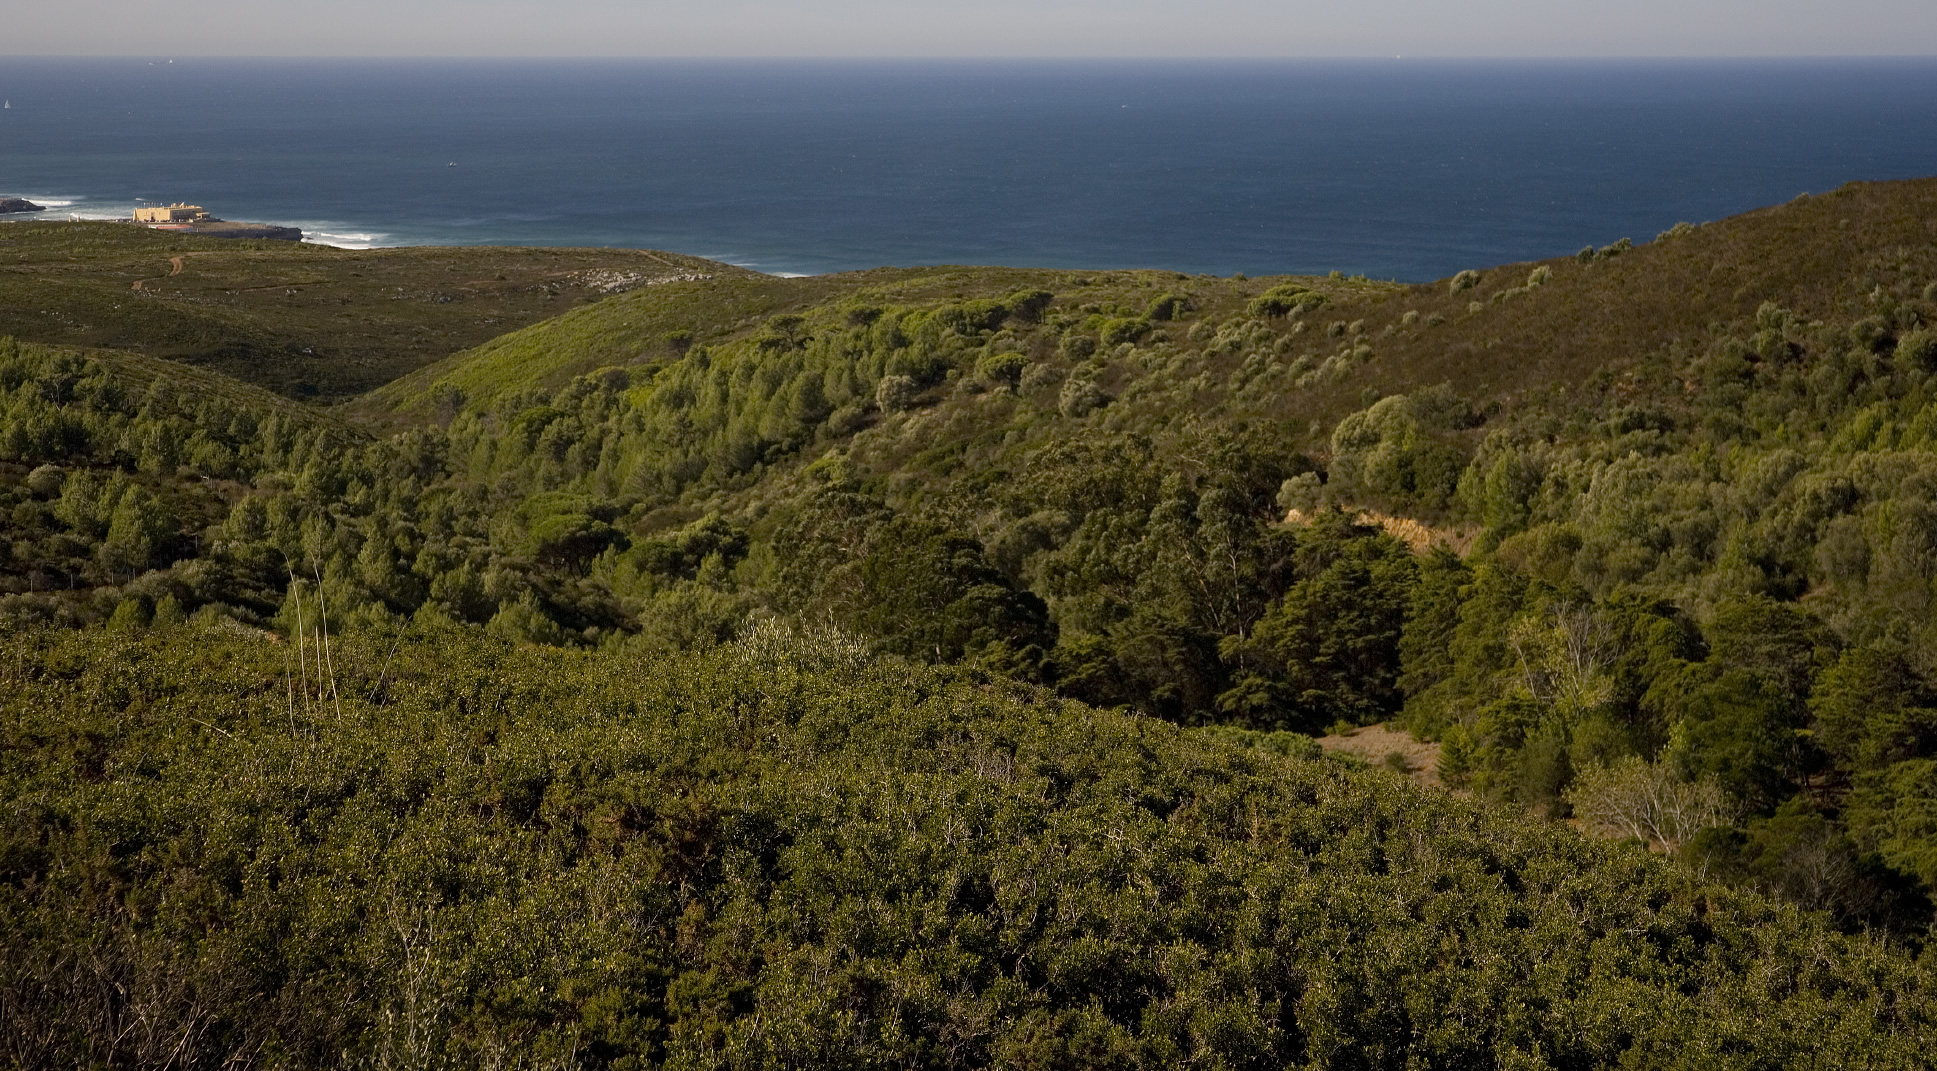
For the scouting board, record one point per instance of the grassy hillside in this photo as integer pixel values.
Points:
(655, 327)
(306, 321)
(1819, 256)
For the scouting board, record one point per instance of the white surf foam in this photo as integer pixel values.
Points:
(74, 206)
(341, 235)
(739, 261)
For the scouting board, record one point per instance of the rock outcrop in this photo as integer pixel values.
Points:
(18, 204)
(221, 228)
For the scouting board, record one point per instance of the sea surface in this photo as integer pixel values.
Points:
(1395, 168)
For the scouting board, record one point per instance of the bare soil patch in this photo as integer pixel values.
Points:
(1378, 744)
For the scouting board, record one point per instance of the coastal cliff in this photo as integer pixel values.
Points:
(217, 228)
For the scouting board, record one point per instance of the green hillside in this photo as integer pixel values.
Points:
(1587, 315)
(653, 327)
(1643, 539)
(307, 321)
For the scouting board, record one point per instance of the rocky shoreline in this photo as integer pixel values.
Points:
(10, 205)
(220, 228)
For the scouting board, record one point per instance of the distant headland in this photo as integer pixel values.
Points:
(182, 218)
(194, 219)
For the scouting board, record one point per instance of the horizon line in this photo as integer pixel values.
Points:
(992, 57)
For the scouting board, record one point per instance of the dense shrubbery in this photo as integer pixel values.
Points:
(1688, 598)
(1634, 564)
(786, 852)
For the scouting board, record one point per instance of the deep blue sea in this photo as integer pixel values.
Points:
(1397, 168)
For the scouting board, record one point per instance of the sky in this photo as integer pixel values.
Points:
(1022, 28)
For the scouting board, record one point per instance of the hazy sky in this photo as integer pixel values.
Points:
(973, 27)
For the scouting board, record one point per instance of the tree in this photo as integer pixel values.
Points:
(1648, 801)
(1893, 811)
(140, 531)
(1739, 729)
(1003, 369)
(1329, 651)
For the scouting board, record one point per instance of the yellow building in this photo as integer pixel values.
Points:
(175, 213)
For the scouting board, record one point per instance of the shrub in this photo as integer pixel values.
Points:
(1036, 376)
(971, 317)
(446, 402)
(1003, 369)
(1127, 329)
(1027, 305)
(1288, 299)
(1679, 230)
(46, 479)
(129, 614)
(1539, 276)
(1918, 349)
(1465, 280)
(1079, 397)
(1169, 307)
(896, 393)
(1870, 335)
(168, 612)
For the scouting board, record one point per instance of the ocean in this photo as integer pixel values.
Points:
(1395, 168)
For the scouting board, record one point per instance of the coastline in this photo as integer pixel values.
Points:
(337, 234)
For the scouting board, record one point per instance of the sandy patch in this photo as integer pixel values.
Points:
(1377, 744)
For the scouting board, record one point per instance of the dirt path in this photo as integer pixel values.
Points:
(175, 265)
(1377, 744)
(663, 260)
(295, 284)
(1422, 538)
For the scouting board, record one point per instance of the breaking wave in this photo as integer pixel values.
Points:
(344, 236)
